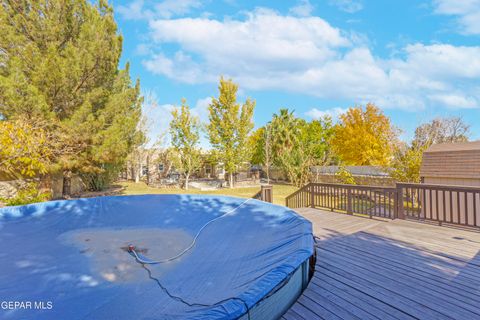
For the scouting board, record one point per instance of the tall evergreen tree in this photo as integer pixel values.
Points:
(59, 67)
(229, 127)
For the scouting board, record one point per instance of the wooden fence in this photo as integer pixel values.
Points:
(442, 204)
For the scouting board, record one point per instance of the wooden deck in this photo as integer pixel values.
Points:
(396, 269)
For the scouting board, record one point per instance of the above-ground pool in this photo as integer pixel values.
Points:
(97, 258)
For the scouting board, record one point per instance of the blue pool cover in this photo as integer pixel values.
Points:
(70, 259)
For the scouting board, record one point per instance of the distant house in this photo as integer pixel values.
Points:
(149, 165)
(452, 164)
(211, 170)
(154, 167)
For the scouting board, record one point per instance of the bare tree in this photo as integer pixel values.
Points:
(441, 130)
(144, 150)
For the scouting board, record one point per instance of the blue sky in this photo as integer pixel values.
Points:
(414, 59)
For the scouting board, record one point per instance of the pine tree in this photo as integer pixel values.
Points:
(59, 67)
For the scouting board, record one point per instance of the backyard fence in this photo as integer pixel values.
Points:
(441, 204)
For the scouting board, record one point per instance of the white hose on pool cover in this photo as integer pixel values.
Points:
(132, 249)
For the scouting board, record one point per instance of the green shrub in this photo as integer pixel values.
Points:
(100, 181)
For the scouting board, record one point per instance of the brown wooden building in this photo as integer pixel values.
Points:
(452, 164)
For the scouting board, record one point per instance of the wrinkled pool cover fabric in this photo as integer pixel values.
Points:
(73, 255)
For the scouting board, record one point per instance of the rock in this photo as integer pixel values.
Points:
(8, 189)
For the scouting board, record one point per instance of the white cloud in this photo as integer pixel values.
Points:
(201, 108)
(138, 9)
(333, 113)
(264, 43)
(350, 6)
(134, 11)
(303, 9)
(264, 37)
(180, 67)
(443, 61)
(307, 55)
(467, 13)
(169, 8)
(455, 101)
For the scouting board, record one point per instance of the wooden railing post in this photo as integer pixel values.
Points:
(267, 193)
(400, 214)
(312, 195)
(349, 201)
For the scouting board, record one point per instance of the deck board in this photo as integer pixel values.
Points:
(460, 290)
(384, 269)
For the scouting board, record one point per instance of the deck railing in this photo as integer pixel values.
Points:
(442, 204)
(371, 201)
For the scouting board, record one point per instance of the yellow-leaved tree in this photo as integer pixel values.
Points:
(364, 136)
(229, 127)
(405, 166)
(185, 133)
(25, 149)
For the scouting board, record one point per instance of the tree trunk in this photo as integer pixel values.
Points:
(186, 181)
(230, 180)
(138, 171)
(267, 152)
(67, 185)
(148, 169)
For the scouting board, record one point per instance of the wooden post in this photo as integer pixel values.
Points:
(312, 196)
(349, 201)
(400, 214)
(267, 193)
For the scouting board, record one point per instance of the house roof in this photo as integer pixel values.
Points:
(452, 160)
(458, 146)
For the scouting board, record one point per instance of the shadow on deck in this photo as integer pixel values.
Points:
(371, 269)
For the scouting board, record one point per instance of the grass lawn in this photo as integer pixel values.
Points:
(280, 191)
